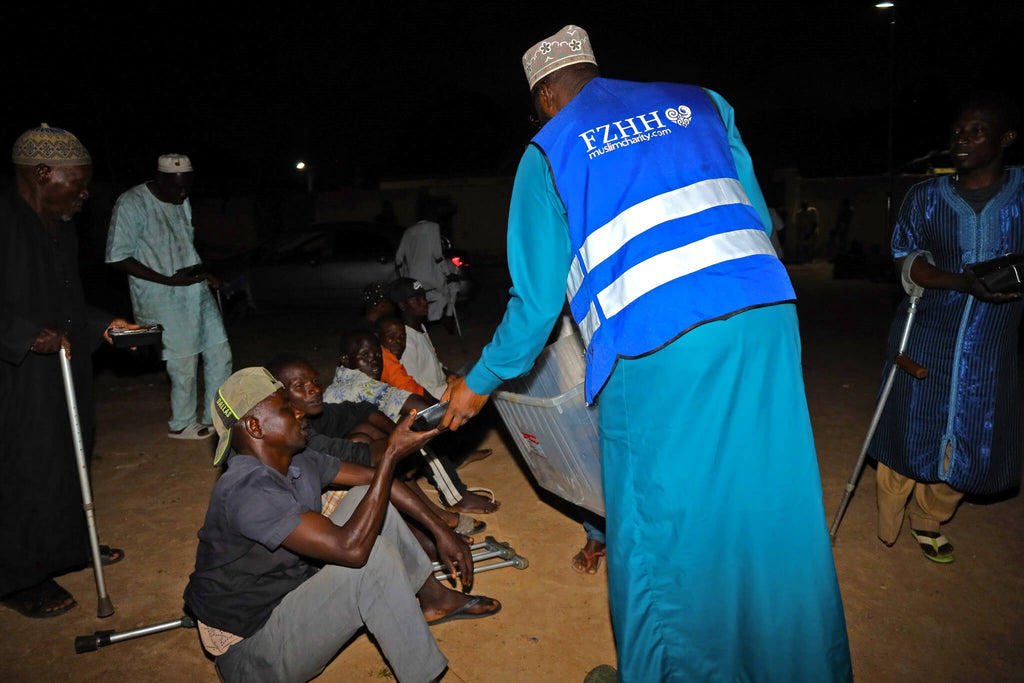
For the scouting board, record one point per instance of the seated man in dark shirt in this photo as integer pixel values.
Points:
(278, 588)
(352, 432)
(358, 422)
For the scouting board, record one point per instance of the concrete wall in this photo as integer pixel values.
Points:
(867, 195)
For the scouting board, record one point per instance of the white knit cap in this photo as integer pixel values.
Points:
(174, 163)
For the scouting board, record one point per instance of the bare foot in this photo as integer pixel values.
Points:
(477, 455)
(588, 560)
(475, 504)
(440, 604)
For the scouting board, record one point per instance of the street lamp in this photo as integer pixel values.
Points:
(303, 166)
(891, 6)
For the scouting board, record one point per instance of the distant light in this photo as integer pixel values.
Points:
(458, 262)
(885, 5)
(301, 165)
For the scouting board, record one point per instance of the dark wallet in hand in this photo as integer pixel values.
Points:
(1001, 275)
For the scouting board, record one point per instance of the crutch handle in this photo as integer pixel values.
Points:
(911, 367)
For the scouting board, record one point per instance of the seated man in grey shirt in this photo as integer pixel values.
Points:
(278, 588)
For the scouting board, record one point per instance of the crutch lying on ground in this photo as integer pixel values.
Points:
(104, 607)
(491, 548)
(901, 361)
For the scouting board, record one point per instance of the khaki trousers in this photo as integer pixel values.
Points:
(930, 506)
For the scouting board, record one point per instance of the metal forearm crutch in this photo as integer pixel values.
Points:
(901, 361)
(491, 548)
(95, 641)
(104, 608)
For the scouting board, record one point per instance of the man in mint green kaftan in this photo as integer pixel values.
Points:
(719, 562)
(150, 238)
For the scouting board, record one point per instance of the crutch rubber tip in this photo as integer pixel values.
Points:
(92, 642)
(104, 607)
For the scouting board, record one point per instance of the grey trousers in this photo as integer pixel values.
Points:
(308, 628)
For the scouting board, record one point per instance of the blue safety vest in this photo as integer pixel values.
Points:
(663, 234)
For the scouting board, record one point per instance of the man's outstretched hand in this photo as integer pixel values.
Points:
(464, 404)
(403, 441)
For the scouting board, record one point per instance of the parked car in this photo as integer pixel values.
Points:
(326, 266)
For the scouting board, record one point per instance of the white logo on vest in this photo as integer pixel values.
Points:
(619, 134)
(680, 116)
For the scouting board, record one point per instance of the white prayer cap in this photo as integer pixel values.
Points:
(174, 163)
(571, 45)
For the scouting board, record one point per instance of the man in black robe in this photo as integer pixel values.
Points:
(42, 311)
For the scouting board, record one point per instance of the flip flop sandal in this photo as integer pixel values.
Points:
(467, 526)
(462, 613)
(36, 602)
(934, 545)
(604, 673)
(479, 490)
(109, 556)
(590, 561)
(489, 495)
(193, 432)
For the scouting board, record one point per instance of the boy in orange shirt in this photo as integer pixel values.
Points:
(391, 332)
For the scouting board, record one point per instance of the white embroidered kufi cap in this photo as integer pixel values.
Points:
(571, 45)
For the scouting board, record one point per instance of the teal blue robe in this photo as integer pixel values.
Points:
(719, 563)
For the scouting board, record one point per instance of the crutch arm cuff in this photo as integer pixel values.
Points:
(909, 286)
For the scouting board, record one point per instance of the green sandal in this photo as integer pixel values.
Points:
(934, 545)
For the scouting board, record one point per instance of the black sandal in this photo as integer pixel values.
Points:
(109, 556)
(42, 601)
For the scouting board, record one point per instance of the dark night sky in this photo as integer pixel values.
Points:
(397, 90)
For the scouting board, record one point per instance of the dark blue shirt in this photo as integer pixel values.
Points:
(242, 571)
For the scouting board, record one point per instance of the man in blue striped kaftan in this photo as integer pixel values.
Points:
(959, 430)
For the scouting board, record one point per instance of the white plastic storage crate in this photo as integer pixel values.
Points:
(556, 431)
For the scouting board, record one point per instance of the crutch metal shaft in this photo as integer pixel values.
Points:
(477, 557)
(899, 362)
(95, 641)
(517, 561)
(494, 548)
(104, 607)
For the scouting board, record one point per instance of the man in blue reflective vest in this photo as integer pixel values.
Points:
(639, 201)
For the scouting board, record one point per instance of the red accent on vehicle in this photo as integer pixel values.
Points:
(458, 261)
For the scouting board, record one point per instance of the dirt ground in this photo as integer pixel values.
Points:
(908, 619)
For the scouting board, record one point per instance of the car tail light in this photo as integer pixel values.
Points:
(458, 261)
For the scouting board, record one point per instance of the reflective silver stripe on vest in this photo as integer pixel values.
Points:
(589, 324)
(670, 265)
(637, 219)
(575, 278)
